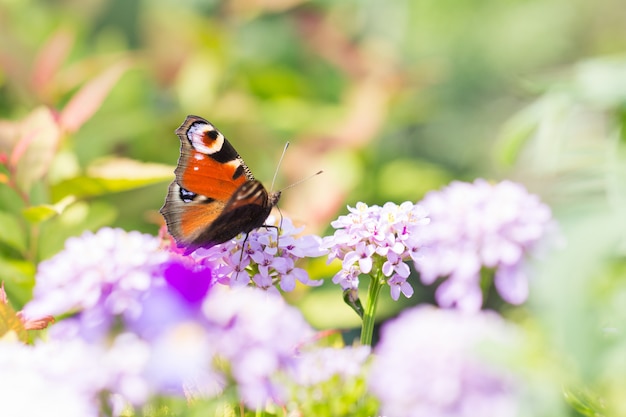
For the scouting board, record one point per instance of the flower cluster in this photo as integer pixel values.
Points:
(101, 275)
(163, 308)
(171, 322)
(258, 333)
(268, 258)
(158, 324)
(254, 332)
(480, 224)
(374, 238)
(434, 363)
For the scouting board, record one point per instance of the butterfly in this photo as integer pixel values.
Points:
(214, 197)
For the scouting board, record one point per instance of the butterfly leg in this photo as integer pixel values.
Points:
(278, 228)
(243, 248)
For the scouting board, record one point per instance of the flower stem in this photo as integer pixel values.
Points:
(367, 329)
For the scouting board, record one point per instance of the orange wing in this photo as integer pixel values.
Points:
(208, 174)
(208, 163)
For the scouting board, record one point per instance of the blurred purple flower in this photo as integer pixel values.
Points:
(125, 360)
(156, 326)
(181, 357)
(191, 282)
(103, 271)
(171, 322)
(434, 363)
(67, 378)
(34, 380)
(175, 301)
(477, 225)
(318, 365)
(372, 236)
(266, 261)
(257, 333)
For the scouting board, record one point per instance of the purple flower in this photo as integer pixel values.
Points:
(373, 237)
(174, 302)
(124, 361)
(257, 333)
(181, 360)
(155, 324)
(268, 259)
(254, 332)
(172, 323)
(476, 225)
(103, 272)
(191, 282)
(434, 363)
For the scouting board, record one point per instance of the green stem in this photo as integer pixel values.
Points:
(486, 281)
(376, 283)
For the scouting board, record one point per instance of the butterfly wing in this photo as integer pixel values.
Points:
(214, 196)
(246, 210)
(208, 174)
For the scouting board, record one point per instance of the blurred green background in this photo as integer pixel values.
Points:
(390, 98)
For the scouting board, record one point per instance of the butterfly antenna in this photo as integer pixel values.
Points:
(280, 161)
(302, 180)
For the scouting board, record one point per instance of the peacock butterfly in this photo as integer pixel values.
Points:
(214, 196)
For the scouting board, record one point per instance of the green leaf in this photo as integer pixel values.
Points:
(584, 402)
(90, 97)
(110, 176)
(19, 278)
(11, 233)
(38, 214)
(77, 218)
(514, 135)
(9, 322)
(10, 199)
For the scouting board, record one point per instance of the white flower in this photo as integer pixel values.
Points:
(373, 236)
(268, 258)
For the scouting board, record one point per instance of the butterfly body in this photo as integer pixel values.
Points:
(214, 197)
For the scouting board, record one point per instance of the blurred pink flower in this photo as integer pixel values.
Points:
(476, 225)
(433, 363)
(258, 334)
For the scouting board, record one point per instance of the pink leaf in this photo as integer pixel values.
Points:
(39, 323)
(90, 97)
(20, 148)
(9, 134)
(49, 60)
(37, 144)
(3, 295)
